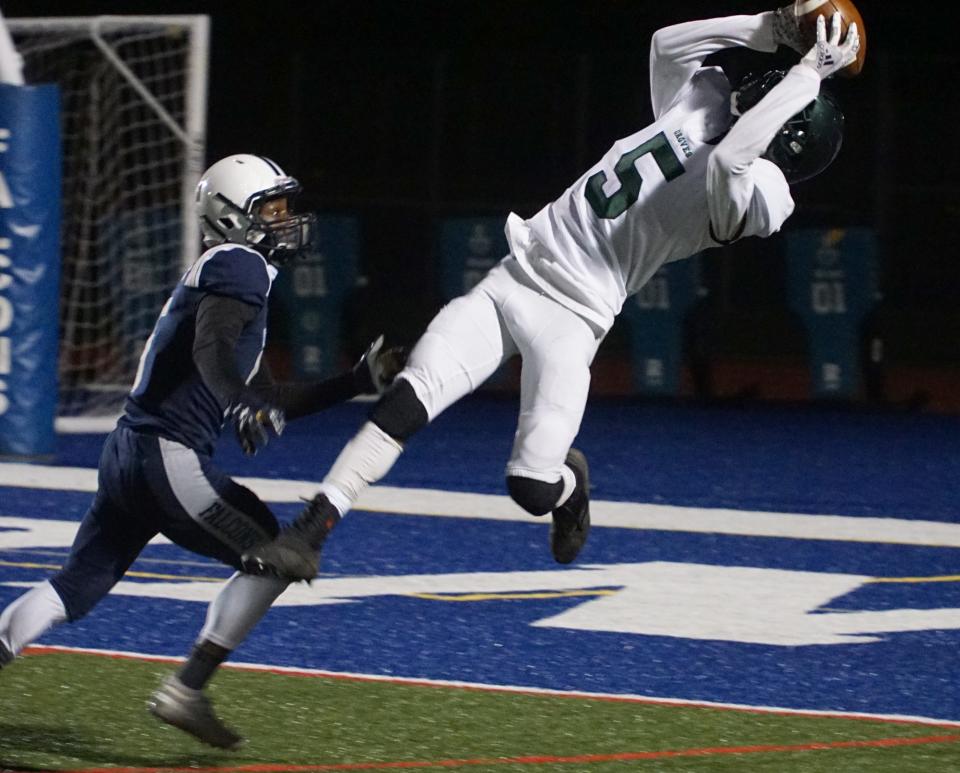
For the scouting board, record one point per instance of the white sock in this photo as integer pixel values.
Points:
(30, 616)
(337, 498)
(364, 460)
(569, 484)
(239, 606)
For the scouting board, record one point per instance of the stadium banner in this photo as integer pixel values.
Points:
(313, 293)
(832, 280)
(655, 318)
(30, 173)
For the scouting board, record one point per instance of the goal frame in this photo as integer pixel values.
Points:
(193, 133)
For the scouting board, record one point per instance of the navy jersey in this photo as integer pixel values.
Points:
(169, 397)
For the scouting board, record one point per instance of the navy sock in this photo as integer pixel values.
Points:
(202, 664)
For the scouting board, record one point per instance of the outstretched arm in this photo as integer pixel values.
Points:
(298, 399)
(731, 176)
(678, 51)
(375, 370)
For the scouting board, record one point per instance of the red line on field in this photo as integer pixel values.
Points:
(403, 681)
(544, 760)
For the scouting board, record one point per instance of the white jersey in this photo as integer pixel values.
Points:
(656, 196)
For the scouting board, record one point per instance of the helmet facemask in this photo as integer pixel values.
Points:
(279, 240)
(232, 203)
(806, 144)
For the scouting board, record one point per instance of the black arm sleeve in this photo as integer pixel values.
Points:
(302, 399)
(220, 320)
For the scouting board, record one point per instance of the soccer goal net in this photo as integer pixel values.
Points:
(133, 95)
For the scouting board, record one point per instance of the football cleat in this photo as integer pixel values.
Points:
(295, 554)
(6, 656)
(191, 711)
(289, 557)
(571, 521)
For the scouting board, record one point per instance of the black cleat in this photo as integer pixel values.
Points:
(571, 521)
(295, 554)
(191, 711)
(289, 557)
(6, 656)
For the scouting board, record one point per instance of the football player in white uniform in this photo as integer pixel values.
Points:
(715, 166)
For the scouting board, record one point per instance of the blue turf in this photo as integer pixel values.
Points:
(768, 458)
(775, 458)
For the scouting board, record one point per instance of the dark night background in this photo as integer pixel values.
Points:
(405, 112)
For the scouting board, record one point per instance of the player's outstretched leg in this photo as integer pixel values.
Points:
(191, 711)
(571, 520)
(295, 553)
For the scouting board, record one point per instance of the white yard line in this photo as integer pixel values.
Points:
(604, 514)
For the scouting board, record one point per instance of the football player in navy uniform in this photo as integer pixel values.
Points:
(201, 367)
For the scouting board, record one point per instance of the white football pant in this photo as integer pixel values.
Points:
(472, 336)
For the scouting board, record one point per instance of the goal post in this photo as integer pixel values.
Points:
(133, 125)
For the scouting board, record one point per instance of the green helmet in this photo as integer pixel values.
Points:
(806, 144)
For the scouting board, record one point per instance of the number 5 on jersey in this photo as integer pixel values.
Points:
(613, 206)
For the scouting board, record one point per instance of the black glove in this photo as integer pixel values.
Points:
(252, 418)
(378, 366)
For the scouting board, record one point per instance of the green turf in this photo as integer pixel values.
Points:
(78, 711)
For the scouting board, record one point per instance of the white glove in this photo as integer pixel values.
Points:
(786, 29)
(830, 56)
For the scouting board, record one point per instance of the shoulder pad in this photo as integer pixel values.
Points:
(232, 270)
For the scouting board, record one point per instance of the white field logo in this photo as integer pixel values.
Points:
(751, 605)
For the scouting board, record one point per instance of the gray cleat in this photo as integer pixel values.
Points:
(6, 656)
(191, 711)
(571, 521)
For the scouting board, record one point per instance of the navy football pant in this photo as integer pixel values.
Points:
(149, 485)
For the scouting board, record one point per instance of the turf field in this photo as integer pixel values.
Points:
(764, 590)
(74, 711)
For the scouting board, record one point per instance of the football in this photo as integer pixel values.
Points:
(807, 12)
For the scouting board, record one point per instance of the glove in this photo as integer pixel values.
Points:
(378, 366)
(786, 29)
(251, 421)
(830, 55)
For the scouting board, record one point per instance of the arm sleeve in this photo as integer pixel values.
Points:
(220, 320)
(302, 399)
(298, 399)
(678, 51)
(747, 195)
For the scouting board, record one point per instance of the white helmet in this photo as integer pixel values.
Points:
(229, 197)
